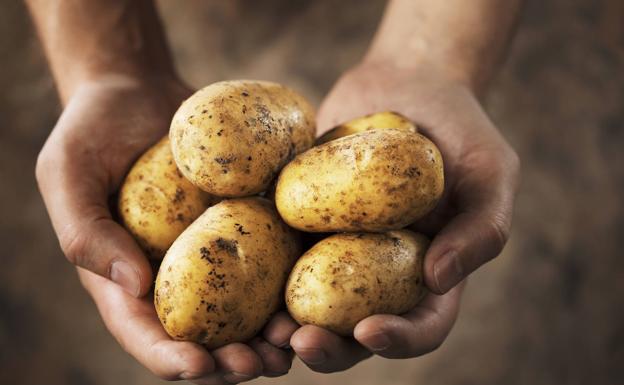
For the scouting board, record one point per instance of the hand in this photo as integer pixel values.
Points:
(470, 225)
(472, 221)
(135, 325)
(107, 124)
(105, 127)
(417, 332)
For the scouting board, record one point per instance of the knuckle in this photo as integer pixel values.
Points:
(74, 244)
(497, 233)
(513, 162)
(41, 166)
(156, 349)
(478, 159)
(514, 159)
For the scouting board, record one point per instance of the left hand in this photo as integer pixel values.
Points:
(417, 332)
(470, 225)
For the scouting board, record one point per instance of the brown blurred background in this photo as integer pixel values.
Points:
(548, 311)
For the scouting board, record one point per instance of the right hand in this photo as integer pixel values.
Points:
(134, 324)
(107, 124)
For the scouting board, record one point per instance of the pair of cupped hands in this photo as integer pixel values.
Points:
(110, 120)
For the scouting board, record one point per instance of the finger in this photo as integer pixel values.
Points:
(275, 361)
(236, 362)
(133, 322)
(476, 234)
(324, 351)
(279, 330)
(76, 198)
(420, 331)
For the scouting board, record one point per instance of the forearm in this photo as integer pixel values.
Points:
(465, 40)
(87, 39)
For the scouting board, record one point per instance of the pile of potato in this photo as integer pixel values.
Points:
(225, 199)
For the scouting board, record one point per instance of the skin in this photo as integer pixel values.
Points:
(430, 60)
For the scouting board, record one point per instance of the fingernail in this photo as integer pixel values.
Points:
(236, 377)
(312, 356)
(125, 276)
(377, 342)
(447, 272)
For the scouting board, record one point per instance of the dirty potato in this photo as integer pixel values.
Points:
(348, 277)
(231, 138)
(377, 180)
(378, 120)
(156, 203)
(224, 276)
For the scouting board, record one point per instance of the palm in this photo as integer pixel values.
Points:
(113, 125)
(475, 154)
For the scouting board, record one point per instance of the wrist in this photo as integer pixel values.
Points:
(423, 67)
(423, 75)
(166, 84)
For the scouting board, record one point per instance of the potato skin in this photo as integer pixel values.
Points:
(156, 203)
(377, 180)
(378, 120)
(231, 138)
(224, 276)
(348, 277)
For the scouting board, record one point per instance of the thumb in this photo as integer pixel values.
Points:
(475, 235)
(76, 199)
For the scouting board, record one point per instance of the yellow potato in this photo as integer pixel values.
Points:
(376, 180)
(231, 138)
(378, 120)
(224, 276)
(347, 277)
(156, 203)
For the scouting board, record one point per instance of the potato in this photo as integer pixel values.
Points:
(378, 120)
(156, 203)
(231, 138)
(224, 276)
(376, 180)
(347, 277)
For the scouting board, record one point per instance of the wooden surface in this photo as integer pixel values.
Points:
(548, 311)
